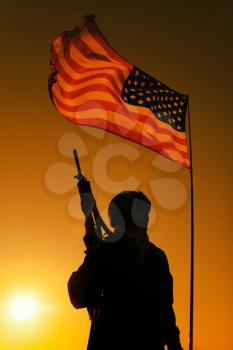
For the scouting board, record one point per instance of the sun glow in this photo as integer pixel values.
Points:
(23, 308)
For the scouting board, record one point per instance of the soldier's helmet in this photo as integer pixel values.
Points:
(129, 208)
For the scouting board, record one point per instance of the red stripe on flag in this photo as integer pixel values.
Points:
(92, 88)
(162, 147)
(81, 69)
(92, 55)
(112, 107)
(77, 92)
(73, 81)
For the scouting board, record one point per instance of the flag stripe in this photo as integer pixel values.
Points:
(73, 70)
(88, 63)
(139, 112)
(73, 97)
(72, 77)
(165, 148)
(78, 68)
(71, 90)
(113, 107)
(70, 84)
(147, 137)
(108, 82)
(81, 51)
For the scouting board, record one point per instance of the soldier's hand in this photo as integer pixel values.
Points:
(87, 198)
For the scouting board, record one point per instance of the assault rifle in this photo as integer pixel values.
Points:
(93, 221)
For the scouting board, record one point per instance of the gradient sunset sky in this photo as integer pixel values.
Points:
(186, 45)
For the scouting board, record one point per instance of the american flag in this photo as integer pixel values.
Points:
(91, 84)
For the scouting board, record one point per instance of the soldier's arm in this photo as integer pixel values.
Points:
(84, 283)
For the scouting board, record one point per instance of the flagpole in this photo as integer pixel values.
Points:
(192, 239)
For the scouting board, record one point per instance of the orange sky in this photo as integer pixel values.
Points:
(185, 46)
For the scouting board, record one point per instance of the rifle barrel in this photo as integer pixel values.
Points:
(75, 153)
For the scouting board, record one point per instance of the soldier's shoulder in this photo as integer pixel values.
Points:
(156, 251)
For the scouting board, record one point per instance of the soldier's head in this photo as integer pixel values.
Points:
(129, 208)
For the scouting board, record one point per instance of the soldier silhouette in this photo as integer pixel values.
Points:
(126, 285)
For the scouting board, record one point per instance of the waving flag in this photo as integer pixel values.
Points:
(91, 84)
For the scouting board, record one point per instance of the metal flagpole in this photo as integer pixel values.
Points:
(192, 239)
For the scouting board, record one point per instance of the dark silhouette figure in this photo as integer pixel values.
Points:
(126, 285)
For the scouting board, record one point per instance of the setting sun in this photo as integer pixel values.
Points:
(23, 308)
